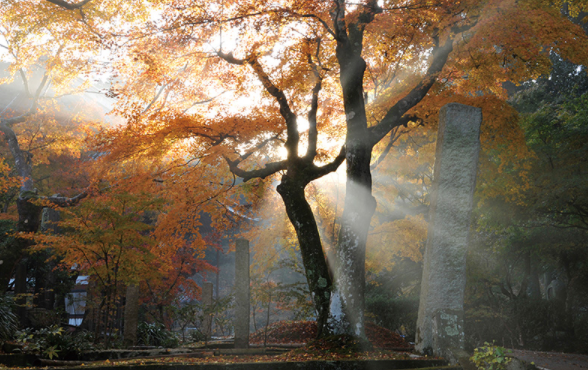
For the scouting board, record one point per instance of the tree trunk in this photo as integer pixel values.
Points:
(29, 219)
(313, 257)
(29, 215)
(347, 306)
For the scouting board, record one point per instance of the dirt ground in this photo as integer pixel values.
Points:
(554, 360)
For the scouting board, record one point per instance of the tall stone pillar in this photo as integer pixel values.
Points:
(207, 303)
(242, 295)
(440, 325)
(50, 220)
(131, 315)
(50, 223)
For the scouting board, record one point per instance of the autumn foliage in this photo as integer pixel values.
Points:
(250, 112)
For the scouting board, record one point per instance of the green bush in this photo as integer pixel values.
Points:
(52, 342)
(490, 357)
(196, 336)
(156, 334)
(8, 320)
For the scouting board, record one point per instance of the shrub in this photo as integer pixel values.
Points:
(52, 342)
(490, 357)
(196, 336)
(8, 320)
(156, 334)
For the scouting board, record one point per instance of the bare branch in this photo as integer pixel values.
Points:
(69, 6)
(155, 98)
(230, 58)
(291, 126)
(312, 130)
(382, 156)
(319, 172)
(25, 82)
(321, 21)
(393, 117)
(289, 116)
(65, 201)
(257, 147)
(205, 101)
(267, 170)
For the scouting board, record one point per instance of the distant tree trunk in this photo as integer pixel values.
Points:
(20, 288)
(267, 322)
(534, 288)
(217, 281)
(29, 214)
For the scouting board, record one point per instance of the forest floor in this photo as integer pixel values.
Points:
(300, 337)
(302, 332)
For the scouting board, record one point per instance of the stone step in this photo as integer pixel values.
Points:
(307, 365)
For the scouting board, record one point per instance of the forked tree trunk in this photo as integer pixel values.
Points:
(347, 306)
(313, 258)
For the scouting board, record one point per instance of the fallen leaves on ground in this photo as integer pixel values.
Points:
(286, 332)
(301, 332)
(331, 348)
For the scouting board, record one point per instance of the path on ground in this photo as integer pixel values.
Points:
(553, 360)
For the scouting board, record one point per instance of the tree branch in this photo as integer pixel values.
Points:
(230, 58)
(267, 170)
(205, 101)
(318, 172)
(382, 156)
(393, 117)
(314, 16)
(65, 201)
(69, 6)
(289, 116)
(312, 129)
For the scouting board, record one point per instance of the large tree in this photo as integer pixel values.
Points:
(358, 70)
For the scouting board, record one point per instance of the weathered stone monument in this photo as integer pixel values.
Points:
(207, 303)
(242, 296)
(440, 326)
(49, 220)
(49, 224)
(131, 315)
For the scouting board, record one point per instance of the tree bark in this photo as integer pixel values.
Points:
(347, 306)
(315, 265)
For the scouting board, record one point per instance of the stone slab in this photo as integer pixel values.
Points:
(307, 365)
(440, 319)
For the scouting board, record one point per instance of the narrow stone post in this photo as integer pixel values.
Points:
(440, 329)
(131, 315)
(242, 297)
(207, 303)
(49, 223)
(49, 220)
